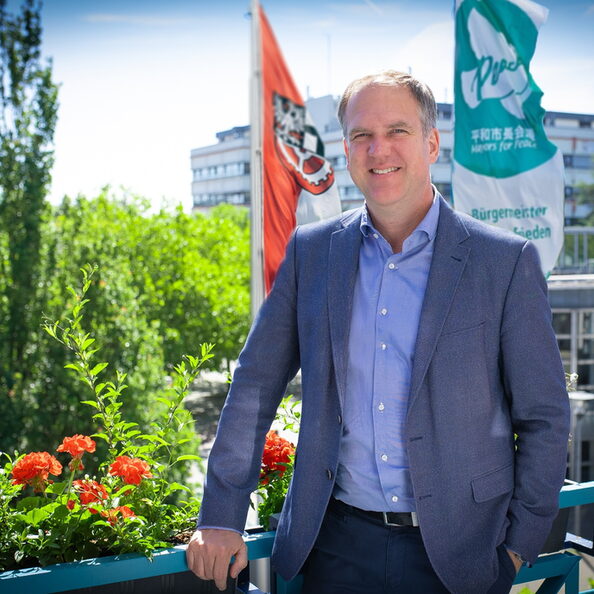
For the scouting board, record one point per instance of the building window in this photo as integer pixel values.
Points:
(575, 336)
(350, 193)
(583, 162)
(225, 170)
(578, 161)
(338, 163)
(212, 199)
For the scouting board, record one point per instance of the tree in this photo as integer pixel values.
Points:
(165, 283)
(28, 114)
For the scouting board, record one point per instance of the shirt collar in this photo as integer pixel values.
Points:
(428, 224)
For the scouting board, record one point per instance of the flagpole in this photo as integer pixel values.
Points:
(256, 194)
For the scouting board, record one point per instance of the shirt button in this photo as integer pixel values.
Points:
(383, 311)
(384, 457)
(394, 498)
(383, 346)
(381, 406)
(375, 236)
(392, 266)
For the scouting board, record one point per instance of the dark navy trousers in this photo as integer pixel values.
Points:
(355, 554)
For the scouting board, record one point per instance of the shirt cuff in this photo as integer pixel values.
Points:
(218, 528)
(518, 556)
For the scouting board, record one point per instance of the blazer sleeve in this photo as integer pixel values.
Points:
(268, 361)
(534, 380)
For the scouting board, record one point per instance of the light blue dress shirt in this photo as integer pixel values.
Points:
(373, 470)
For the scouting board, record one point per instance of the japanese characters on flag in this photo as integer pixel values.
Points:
(298, 182)
(506, 172)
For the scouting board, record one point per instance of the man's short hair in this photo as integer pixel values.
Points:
(392, 78)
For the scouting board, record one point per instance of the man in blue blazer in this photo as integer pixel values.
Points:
(434, 412)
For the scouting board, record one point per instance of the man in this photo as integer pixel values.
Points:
(434, 412)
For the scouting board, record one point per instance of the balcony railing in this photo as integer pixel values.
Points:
(577, 254)
(557, 569)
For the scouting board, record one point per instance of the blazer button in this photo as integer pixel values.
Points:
(329, 474)
(340, 419)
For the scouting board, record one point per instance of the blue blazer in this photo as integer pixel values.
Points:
(486, 367)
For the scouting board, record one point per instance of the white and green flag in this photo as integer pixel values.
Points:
(506, 172)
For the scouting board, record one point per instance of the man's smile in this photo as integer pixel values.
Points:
(384, 171)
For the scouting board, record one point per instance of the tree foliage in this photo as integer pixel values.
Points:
(28, 112)
(165, 283)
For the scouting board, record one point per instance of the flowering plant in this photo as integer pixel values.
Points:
(129, 505)
(278, 461)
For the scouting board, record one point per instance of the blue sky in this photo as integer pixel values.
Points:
(145, 81)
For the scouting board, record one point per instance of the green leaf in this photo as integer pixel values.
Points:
(125, 489)
(156, 439)
(188, 457)
(61, 513)
(55, 488)
(30, 503)
(98, 368)
(91, 403)
(178, 487)
(73, 366)
(87, 343)
(102, 436)
(125, 426)
(35, 516)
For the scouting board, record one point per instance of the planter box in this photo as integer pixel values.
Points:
(167, 573)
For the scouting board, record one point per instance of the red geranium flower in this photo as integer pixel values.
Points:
(34, 468)
(90, 492)
(112, 514)
(277, 454)
(76, 446)
(132, 470)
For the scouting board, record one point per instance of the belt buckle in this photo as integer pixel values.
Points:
(413, 515)
(385, 515)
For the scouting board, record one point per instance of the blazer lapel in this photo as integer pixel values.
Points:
(343, 263)
(449, 260)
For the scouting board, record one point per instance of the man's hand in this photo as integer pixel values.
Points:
(517, 562)
(209, 554)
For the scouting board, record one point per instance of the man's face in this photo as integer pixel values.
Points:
(387, 154)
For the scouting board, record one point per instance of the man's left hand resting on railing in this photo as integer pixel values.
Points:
(209, 555)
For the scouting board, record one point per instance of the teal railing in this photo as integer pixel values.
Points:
(557, 569)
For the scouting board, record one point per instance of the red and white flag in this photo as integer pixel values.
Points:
(298, 182)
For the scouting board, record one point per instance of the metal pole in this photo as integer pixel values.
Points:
(256, 198)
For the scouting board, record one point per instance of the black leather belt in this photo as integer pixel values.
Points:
(387, 518)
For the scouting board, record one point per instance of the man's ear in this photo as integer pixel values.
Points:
(433, 145)
(345, 144)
